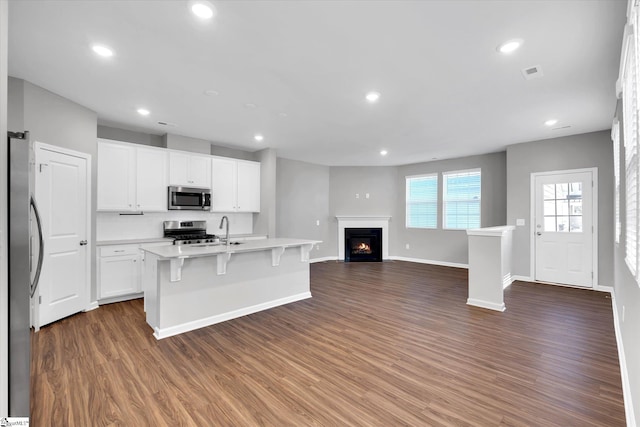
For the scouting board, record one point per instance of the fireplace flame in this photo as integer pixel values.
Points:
(361, 248)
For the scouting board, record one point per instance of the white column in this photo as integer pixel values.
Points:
(489, 266)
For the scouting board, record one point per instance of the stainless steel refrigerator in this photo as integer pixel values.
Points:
(24, 268)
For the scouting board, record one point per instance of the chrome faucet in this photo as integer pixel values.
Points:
(227, 231)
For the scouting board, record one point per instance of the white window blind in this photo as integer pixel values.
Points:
(615, 138)
(422, 201)
(630, 129)
(461, 199)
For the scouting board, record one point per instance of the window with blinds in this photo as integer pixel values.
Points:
(615, 138)
(422, 201)
(461, 199)
(630, 129)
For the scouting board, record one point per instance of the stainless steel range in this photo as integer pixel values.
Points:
(188, 232)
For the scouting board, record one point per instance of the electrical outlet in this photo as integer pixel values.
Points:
(520, 222)
(406, 246)
(357, 195)
(366, 195)
(317, 247)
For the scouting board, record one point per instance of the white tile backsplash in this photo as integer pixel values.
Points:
(113, 226)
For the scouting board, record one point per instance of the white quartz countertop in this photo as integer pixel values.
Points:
(189, 251)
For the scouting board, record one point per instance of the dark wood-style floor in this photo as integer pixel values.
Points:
(379, 344)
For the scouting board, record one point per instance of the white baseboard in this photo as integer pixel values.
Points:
(323, 259)
(507, 280)
(486, 304)
(624, 373)
(160, 333)
(429, 261)
(92, 306)
(121, 298)
(515, 277)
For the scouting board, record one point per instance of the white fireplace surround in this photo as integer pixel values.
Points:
(352, 221)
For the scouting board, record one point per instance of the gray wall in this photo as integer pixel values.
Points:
(346, 182)
(54, 120)
(571, 152)
(265, 221)
(627, 291)
(450, 246)
(117, 134)
(4, 270)
(302, 199)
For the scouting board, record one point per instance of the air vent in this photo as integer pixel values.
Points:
(534, 72)
(561, 127)
(167, 124)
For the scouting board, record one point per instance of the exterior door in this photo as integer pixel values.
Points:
(62, 183)
(564, 228)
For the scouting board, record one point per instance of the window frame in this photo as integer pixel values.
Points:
(444, 198)
(407, 200)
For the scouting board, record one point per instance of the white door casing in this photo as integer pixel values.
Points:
(564, 227)
(62, 189)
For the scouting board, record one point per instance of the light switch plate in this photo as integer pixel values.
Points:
(520, 222)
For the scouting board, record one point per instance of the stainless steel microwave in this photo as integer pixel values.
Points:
(189, 198)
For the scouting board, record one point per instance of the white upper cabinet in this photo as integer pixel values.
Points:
(116, 177)
(223, 185)
(131, 178)
(189, 170)
(152, 184)
(248, 187)
(235, 185)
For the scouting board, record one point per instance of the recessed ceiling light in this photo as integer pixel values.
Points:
(510, 46)
(203, 9)
(258, 137)
(143, 111)
(211, 92)
(373, 97)
(102, 50)
(383, 152)
(550, 122)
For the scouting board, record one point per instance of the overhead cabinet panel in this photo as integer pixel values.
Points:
(235, 185)
(189, 170)
(131, 178)
(116, 177)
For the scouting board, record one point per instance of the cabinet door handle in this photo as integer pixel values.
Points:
(119, 250)
(83, 242)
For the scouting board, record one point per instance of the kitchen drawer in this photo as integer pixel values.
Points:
(119, 250)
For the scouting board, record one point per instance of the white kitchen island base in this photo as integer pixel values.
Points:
(203, 295)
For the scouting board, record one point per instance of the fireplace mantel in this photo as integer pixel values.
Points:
(363, 221)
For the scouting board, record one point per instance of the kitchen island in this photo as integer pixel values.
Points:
(193, 286)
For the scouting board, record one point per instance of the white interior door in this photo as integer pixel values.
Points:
(62, 183)
(564, 228)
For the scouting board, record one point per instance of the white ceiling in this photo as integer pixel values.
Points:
(446, 92)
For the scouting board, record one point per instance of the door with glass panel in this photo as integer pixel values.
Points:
(564, 228)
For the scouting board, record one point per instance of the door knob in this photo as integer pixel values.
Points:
(83, 242)
(539, 233)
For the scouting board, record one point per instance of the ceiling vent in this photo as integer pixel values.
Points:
(561, 127)
(167, 124)
(534, 72)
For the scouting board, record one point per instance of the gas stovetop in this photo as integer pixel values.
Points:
(188, 232)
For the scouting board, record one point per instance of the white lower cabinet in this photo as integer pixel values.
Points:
(120, 271)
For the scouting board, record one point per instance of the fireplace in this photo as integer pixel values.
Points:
(363, 244)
